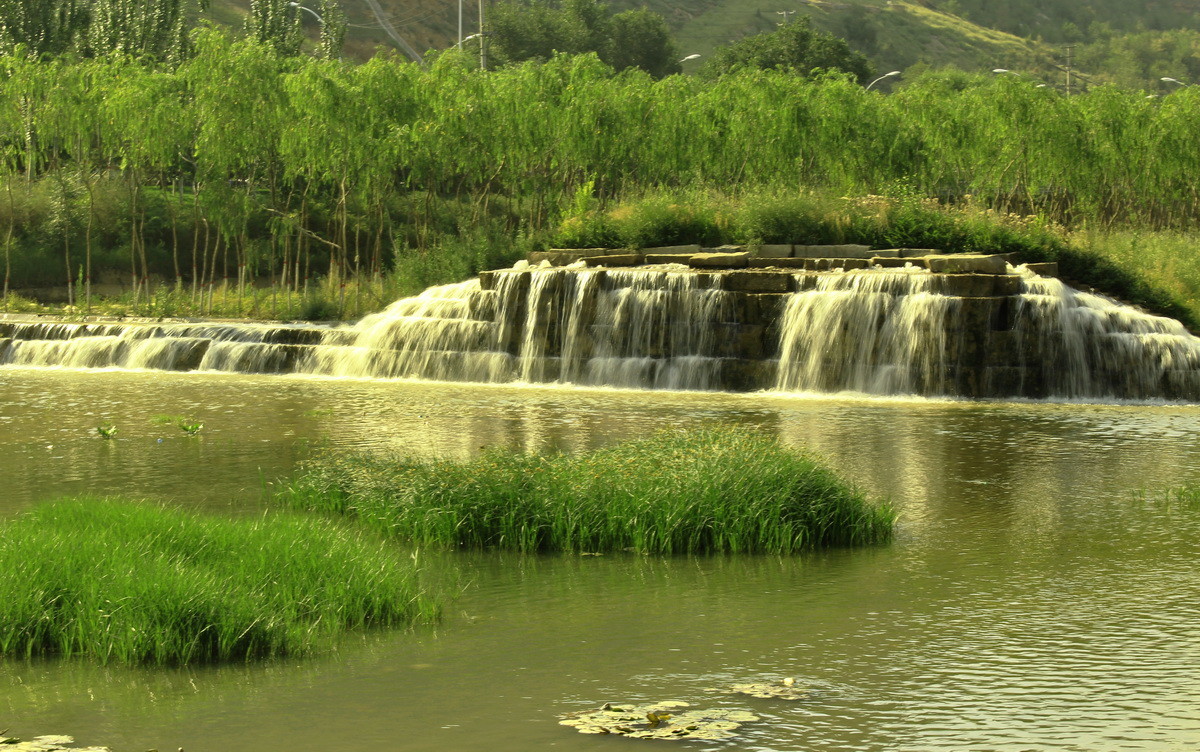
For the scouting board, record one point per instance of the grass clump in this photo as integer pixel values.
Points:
(136, 583)
(705, 491)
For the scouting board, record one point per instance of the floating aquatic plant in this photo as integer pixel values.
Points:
(190, 426)
(106, 430)
(785, 689)
(45, 744)
(661, 720)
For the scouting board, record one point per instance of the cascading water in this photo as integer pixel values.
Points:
(1087, 345)
(615, 328)
(876, 331)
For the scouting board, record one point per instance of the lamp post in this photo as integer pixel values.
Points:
(311, 12)
(885, 75)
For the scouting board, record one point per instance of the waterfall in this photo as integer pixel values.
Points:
(888, 331)
(878, 332)
(1088, 345)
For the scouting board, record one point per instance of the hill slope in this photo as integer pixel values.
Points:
(976, 35)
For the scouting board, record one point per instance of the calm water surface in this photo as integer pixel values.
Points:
(1030, 601)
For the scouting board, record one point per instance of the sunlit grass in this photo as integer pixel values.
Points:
(130, 583)
(709, 491)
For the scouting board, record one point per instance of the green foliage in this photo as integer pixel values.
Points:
(131, 583)
(794, 47)
(539, 29)
(707, 491)
(275, 24)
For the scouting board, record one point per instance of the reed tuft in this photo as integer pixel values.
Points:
(717, 490)
(136, 583)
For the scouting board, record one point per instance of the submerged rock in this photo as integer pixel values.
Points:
(662, 720)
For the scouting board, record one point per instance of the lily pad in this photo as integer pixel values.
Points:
(662, 720)
(786, 689)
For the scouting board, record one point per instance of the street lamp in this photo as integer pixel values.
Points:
(885, 75)
(298, 6)
(692, 56)
(467, 39)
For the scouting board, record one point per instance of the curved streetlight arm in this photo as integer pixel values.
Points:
(885, 75)
(310, 11)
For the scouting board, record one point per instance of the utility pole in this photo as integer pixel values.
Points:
(1070, 47)
(787, 16)
(482, 41)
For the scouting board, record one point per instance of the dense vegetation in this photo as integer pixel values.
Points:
(244, 165)
(713, 491)
(123, 582)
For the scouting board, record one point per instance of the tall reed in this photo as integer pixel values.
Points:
(132, 583)
(708, 491)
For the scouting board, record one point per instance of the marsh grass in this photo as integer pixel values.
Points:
(708, 491)
(136, 583)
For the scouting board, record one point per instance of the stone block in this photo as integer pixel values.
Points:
(747, 375)
(805, 282)
(673, 249)
(771, 251)
(897, 263)
(967, 263)
(776, 263)
(487, 280)
(743, 341)
(918, 252)
(980, 315)
(1044, 268)
(564, 256)
(830, 264)
(757, 281)
(614, 259)
(963, 285)
(766, 308)
(293, 336)
(720, 260)
(1006, 284)
(667, 258)
(847, 250)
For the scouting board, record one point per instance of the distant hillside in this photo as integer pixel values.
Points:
(1132, 42)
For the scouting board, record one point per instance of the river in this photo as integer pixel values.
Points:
(1032, 598)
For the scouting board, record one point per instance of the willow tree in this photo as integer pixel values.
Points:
(237, 107)
(156, 30)
(41, 27)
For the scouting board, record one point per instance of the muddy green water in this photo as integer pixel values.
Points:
(1030, 601)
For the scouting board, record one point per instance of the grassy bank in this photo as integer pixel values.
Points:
(710, 491)
(1153, 269)
(135, 583)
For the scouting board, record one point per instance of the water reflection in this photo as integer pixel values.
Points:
(1030, 600)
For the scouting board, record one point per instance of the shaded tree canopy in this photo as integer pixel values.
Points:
(795, 46)
(537, 29)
